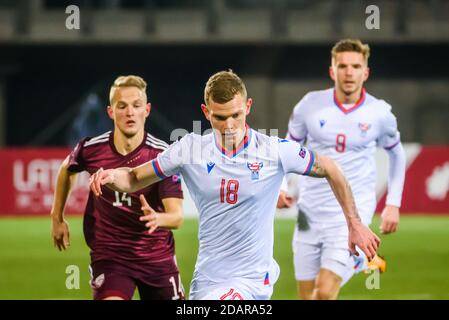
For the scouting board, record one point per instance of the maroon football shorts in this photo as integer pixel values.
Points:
(111, 279)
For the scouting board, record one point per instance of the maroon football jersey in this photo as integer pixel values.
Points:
(112, 228)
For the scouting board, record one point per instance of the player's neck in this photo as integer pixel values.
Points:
(348, 99)
(124, 144)
(228, 145)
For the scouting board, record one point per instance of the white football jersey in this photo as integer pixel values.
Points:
(348, 136)
(235, 193)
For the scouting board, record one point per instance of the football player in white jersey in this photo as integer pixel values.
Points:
(346, 124)
(234, 175)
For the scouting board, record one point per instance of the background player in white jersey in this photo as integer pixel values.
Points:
(234, 175)
(344, 123)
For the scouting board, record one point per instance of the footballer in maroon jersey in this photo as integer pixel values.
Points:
(125, 252)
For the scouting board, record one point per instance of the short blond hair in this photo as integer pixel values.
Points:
(127, 81)
(351, 45)
(223, 86)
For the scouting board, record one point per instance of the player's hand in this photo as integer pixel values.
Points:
(389, 219)
(60, 234)
(284, 200)
(100, 178)
(150, 215)
(362, 237)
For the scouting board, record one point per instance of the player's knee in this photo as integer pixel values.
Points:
(321, 293)
(305, 295)
(305, 292)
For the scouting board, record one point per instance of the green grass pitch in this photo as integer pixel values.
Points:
(417, 267)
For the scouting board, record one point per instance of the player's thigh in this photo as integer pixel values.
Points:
(305, 289)
(336, 262)
(108, 283)
(168, 287)
(306, 257)
(335, 255)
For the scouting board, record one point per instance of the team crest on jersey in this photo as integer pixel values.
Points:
(302, 153)
(255, 168)
(322, 123)
(364, 127)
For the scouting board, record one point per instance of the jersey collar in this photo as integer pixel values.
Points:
(114, 149)
(243, 144)
(357, 104)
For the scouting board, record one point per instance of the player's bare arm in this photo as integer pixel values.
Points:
(124, 179)
(390, 214)
(172, 218)
(60, 227)
(359, 234)
(324, 167)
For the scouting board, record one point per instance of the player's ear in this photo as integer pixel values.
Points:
(148, 109)
(366, 75)
(110, 111)
(205, 111)
(331, 73)
(249, 103)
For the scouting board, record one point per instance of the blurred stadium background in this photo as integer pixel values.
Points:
(54, 84)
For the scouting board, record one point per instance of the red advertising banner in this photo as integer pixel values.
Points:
(28, 179)
(426, 188)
